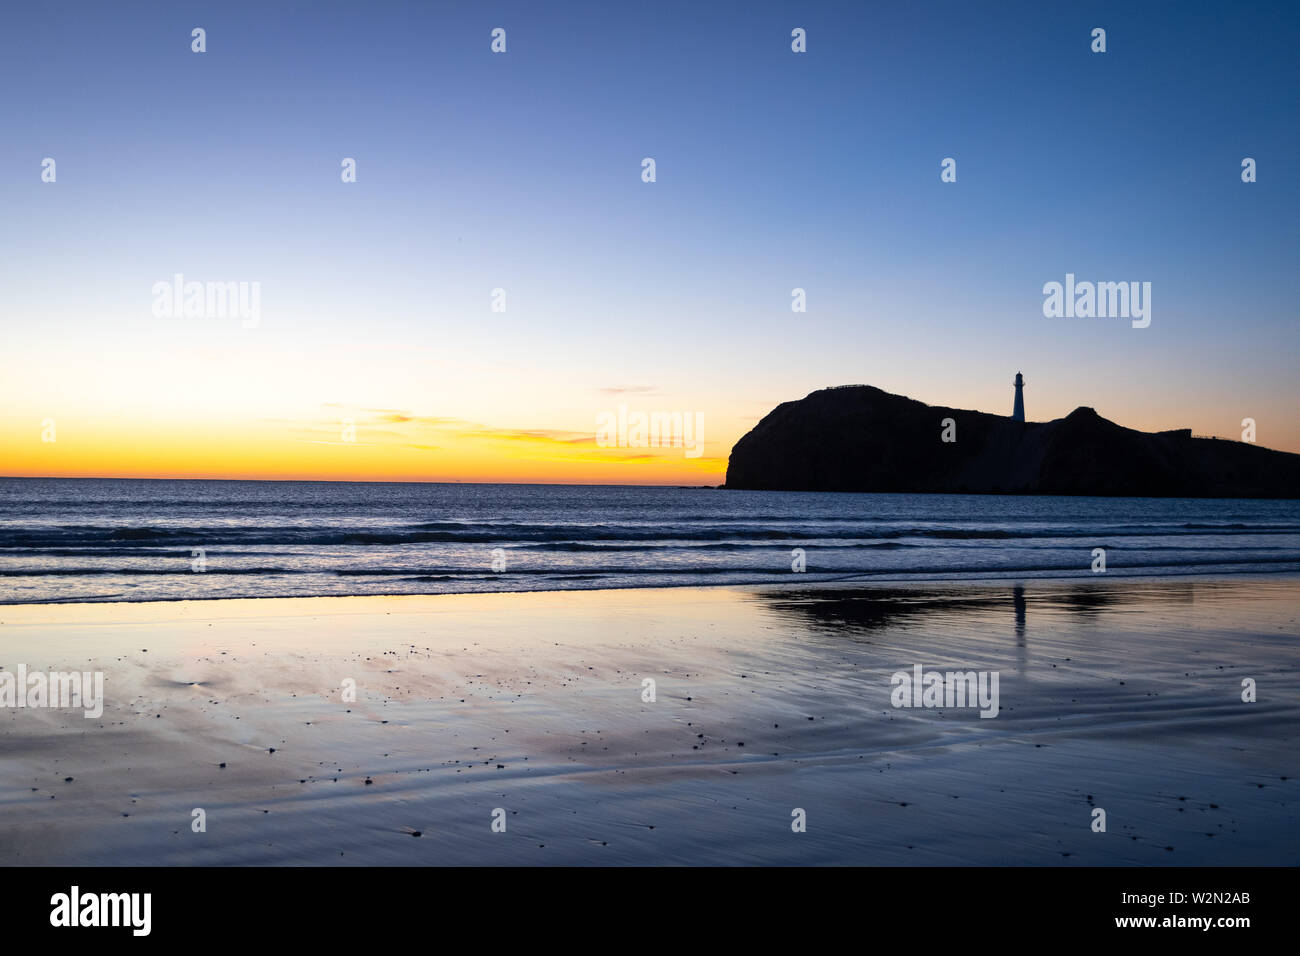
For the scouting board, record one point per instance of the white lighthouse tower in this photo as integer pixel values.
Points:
(1018, 415)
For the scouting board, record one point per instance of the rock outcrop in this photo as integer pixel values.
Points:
(859, 438)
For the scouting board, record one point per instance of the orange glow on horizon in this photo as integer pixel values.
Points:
(289, 454)
(387, 445)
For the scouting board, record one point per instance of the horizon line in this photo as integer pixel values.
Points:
(352, 481)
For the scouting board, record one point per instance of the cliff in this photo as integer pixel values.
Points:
(859, 438)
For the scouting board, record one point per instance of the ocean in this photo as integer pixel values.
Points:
(70, 540)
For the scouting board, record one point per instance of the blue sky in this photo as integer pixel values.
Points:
(775, 170)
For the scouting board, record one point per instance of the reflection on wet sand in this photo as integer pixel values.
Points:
(863, 610)
(1125, 695)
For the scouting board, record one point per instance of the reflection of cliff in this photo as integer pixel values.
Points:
(852, 611)
(859, 438)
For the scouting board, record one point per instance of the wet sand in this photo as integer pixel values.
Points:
(1123, 695)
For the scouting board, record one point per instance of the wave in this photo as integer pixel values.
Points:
(616, 571)
(572, 536)
(463, 584)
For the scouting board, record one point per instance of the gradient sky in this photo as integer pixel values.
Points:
(523, 171)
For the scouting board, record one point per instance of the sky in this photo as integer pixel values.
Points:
(376, 353)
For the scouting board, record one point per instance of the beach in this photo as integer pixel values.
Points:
(1120, 694)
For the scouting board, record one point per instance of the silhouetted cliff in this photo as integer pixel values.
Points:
(858, 438)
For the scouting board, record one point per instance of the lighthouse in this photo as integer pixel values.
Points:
(1018, 415)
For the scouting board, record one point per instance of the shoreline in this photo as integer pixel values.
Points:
(856, 580)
